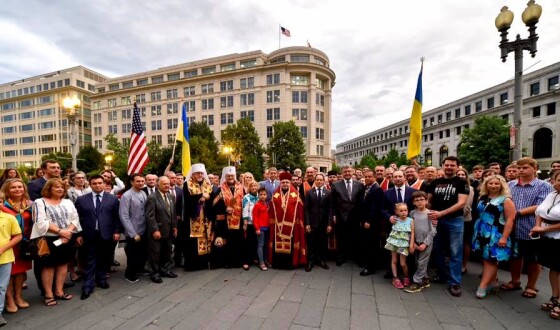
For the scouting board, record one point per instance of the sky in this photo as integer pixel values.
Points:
(374, 47)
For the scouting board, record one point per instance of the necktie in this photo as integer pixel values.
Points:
(150, 191)
(320, 193)
(399, 196)
(97, 208)
(167, 204)
(349, 188)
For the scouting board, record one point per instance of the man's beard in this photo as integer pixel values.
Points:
(285, 189)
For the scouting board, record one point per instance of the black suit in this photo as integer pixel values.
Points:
(34, 188)
(373, 200)
(160, 217)
(345, 210)
(182, 231)
(98, 242)
(316, 215)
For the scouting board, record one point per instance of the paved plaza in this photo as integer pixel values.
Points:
(337, 298)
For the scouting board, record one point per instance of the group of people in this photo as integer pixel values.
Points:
(390, 217)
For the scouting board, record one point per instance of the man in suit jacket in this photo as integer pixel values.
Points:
(151, 182)
(99, 217)
(181, 237)
(51, 169)
(271, 184)
(316, 215)
(162, 227)
(371, 222)
(344, 213)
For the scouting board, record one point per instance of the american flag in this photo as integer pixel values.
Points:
(285, 31)
(138, 152)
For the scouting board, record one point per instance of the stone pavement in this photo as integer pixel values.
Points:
(337, 298)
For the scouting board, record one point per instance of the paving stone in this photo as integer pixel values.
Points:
(388, 322)
(447, 326)
(450, 314)
(392, 304)
(265, 301)
(150, 316)
(335, 318)
(314, 297)
(309, 315)
(300, 327)
(480, 318)
(229, 314)
(176, 314)
(340, 293)
(321, 280)
(282, 277)
(296, 288)
(246, 322)
(364, 312)
(281, 316)
(362, 284)
(421, 315)
(257, 284)
(195, 320)
(223, 296)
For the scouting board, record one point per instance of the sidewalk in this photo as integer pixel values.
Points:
(337, 298)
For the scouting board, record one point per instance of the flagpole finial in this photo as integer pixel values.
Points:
(422, 62)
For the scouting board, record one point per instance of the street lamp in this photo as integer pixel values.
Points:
(530, 17)
(109, 161)
(227, 151)
(71, 106)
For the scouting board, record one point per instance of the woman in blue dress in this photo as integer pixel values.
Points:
(492, 230)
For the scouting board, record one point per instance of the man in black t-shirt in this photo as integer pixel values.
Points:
(447, 197)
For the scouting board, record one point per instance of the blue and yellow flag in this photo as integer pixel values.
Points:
(183, 136)
(415, 139)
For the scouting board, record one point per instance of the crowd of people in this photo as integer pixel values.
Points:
(399, 219)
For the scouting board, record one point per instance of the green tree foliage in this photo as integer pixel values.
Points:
(247, 148)
(486, 142)
(64, 159)
(369, 161)
(120, 155)
(393, 157)
(286, 148)
(90, 159)
(204, 148)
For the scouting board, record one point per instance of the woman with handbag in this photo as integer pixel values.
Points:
(55, 220)
(18, 204)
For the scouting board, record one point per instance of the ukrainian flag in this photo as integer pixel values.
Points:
(415, 139)
(183, 137)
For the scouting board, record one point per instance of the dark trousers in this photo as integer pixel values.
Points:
(369, 248)
(159, 257)
(250, 245)
(344, 240)
(98, 256)
(180, 242)
(317, 245)
(136, 256)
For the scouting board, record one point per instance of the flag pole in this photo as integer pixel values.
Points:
(175, 144)
(279, 34)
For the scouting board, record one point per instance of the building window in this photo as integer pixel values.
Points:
(553, 83)
(127, 84)
(226, 85)
(248, 63)
(155, 96)
(142, 82)
(173, 76)
(125, 114)
(320, 116)
(247, 82)
(320, 150)
(209, 70)
(140, 98)
(458, 130)
(299, 58)
(98, 144)
(207, 88)
(443, 153)
(113, 129)
(112, 103)
(503, 98)
(273, 79)
(457, 113)
(172, 123)
(448, 116)
(300, 80)
(551, 109)
(190, 74)
(536, 112)
(273, 96)
(440, 119)
(467, 110)
(112, 115)
(319, 133)
(447, 132)
(299, 114)
(542, 143)
(156, 125)
(269, 132)
(156, 110)
(320, 83)
(172, 93)
(191, 105)
(248, 114)
(534, 89)
(209, 120)
(428, 156)
(303, 131)
(273, 114)
(227, 67)
(114, 87)
(126, 128)
(490, 103)
(157, 80)
(189, 91)
(208, 104)
(226, 101)
(172, 108)
(478, 106)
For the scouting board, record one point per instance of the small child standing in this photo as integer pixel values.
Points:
(400, 242)
(10, 235)
(424, 232)
(260, 221)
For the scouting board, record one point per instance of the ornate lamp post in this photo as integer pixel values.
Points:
(227, 151)
(530, 17)
(71, 106)
(109, 161)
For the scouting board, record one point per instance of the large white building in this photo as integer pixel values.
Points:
(293, 83)
(442, 126)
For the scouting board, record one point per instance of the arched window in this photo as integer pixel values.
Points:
(542, 143)
(443, 153)
(428, 157)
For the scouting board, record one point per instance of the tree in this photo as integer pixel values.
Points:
(369, 161)
(486, 142)
(89, 159)
(204, 147)
(120, 155)
(247, 148)
(64, 159)
(286, 149)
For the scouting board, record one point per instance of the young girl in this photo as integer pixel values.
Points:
(260, 221)
(400, 242)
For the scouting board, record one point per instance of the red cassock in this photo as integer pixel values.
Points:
(287, 232)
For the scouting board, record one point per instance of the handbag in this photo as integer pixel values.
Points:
(43, 249)
(26, 250)
(34, 249)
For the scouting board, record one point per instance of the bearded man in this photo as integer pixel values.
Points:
(287, 233)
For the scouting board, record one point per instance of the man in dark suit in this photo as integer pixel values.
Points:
(51, 169)
(151, 182)
(400, 193)
(371, 222)
(99, 217)
(316, 212)
(162, 226)
(181, 237)
(344, 213)
(271, 184)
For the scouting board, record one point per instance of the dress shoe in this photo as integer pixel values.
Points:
(103, 285)
(309, 267)
(85, 295)
(115, 263)
(323, 265)
(340, 262)
(156, 279)
(366, 272)
(143, 272)
(168, 274)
